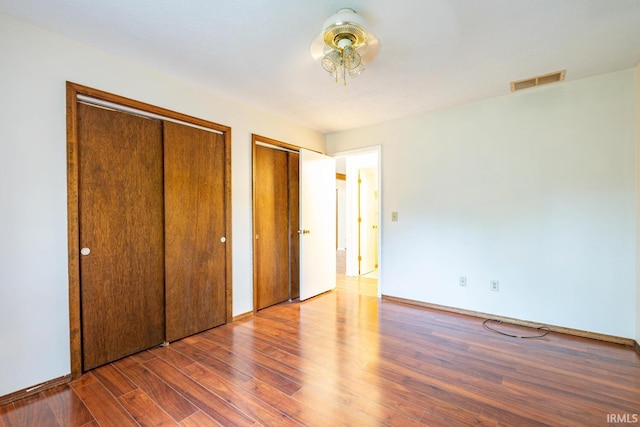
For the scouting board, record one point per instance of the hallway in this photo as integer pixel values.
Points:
(361, 285)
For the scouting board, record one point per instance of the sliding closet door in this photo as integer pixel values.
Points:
(271, 226)
(120, 233)
(194, 179)
(294, 224)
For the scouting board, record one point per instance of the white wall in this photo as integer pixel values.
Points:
(34, 65)
(535, 189)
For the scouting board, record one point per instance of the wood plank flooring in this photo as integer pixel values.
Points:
(347, 358)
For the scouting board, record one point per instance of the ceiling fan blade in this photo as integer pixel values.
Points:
(371, 49)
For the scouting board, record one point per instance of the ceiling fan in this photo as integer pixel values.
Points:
(344, 44)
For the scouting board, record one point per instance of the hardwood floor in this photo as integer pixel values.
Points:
(345, 358)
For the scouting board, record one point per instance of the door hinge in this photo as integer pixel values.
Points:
(359, 258)
(359, 219)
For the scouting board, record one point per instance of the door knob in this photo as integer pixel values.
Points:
(223, 239)
(85, 251)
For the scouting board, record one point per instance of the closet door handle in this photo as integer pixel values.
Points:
(223, 239)
(85, 251)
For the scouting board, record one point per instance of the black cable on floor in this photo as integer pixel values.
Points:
(544, 329)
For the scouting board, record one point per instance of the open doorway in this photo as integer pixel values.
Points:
(358, 231)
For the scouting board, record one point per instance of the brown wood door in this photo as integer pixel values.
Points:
(294, 224)
(194, 179)
(120, 222)
(271, 222)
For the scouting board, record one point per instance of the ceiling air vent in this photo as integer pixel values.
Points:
(538, 80)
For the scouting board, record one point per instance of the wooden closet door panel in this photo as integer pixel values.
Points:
(194, 225)
(294, 224)
(271, 227)
(121, 217)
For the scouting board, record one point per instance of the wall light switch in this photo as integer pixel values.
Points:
(394, 216)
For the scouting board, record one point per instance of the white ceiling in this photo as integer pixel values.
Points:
(434, 53)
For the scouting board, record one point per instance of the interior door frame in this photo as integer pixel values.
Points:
(356, 153)
(255, 141)
(73, 91)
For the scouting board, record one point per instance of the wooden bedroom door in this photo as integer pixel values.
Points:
(195, 241)
(120, 233)
(294, 223)
(271, 227)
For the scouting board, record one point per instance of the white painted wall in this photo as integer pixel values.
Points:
(34, 65)
(535, 189)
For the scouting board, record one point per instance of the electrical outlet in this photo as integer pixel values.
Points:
(463, 281)
(495, 285)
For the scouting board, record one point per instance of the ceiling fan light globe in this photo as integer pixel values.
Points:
(331, 61)
(350, 58)
(355, 72)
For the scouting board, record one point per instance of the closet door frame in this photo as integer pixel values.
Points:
(293, 219)
(73, 91)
